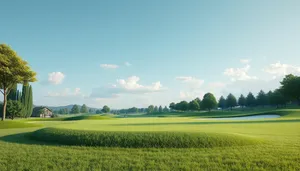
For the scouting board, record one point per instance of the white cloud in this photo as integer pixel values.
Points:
(279, 69)
(191, 81)
(56, 78)
(66, 93)
(127, 64)
(128, 86)
(190, 95)
(109, 66)
(239, 73)
(245, 61)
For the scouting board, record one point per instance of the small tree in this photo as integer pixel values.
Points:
(242, 101)
(172, 106)
(98, 111)
(14, 108)
(105, 109)
(231, 101)
(84, 109)
(155, 109)
(250, 100)
(13, 70)
(262, 98)
(222, 103)
(160, 109)
(166, 110)
(150, 109)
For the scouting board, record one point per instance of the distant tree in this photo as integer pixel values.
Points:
(209, 101)
(250, 100)
(198, 101)
(160, 109)
(91, 110)
(242, 101)
(231, 101)
(13, 70)
(277, 98)
(25, 100)
(172, 106)
(75, 109)
(166, 110)
(194, 106)
(14, 108)
(105, 109)
(84, 109)
(262, 98)
(183, 106)
(222, 103)
(155, 109)
(66, 111)
(98, 111)
(269, 94)
(290, 87)
(150, 109)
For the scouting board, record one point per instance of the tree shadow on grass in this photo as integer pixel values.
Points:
(23, 138)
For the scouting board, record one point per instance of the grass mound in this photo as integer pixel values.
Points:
(87, 117)
(141, 139)
(16, 124)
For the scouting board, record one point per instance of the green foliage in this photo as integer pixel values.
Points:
(14, 108)
(262, 98)
(160, 109)
(290, 87)
(141, 139)
(75, 109)
(242, 101)
(172, 106)
(231, 101)
(25, 100)
(18, 124)
(13, 70)
(209, 101)
(98, 111)
(250, 100)
(13, 93)
(155, 110)
(84, 109)
(277, 98)
(182, 106)
(193, 105)
(30, 102)
(166, 110)
(150, 109)
(222, 103)
(105, 109)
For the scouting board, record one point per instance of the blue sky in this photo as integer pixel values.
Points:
(137, 53)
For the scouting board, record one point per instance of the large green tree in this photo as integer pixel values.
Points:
(290, 87)
(25, 100)
(222, 103)
(13, 70)
(183, 106)
(277, 98)
(30, 102)
(84, 109)
(231, 101)
(150, 109)
(193, 105)
(209, 102)
(75, 109)
(172, 106)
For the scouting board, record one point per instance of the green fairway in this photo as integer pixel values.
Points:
(271, 144)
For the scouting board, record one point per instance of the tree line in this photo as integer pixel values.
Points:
(76, 109)
(288, 92)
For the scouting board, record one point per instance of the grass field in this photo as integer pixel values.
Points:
(275, 143)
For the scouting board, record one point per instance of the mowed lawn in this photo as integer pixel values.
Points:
(280, 149)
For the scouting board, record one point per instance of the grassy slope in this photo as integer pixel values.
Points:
(281, 153)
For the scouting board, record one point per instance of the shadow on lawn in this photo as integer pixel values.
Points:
(23, 138)
(207, 123)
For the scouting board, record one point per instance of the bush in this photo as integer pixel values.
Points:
(140, 139)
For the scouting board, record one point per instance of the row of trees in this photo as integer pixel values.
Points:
(155, 109)
(76, 109)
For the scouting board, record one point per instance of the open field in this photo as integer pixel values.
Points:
(272, 144)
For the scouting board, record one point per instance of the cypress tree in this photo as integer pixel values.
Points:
(13, 93)
(30, 102)
(25, 99)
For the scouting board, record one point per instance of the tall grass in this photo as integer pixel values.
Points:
(141, 139)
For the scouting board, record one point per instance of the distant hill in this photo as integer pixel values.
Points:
(68, 107)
